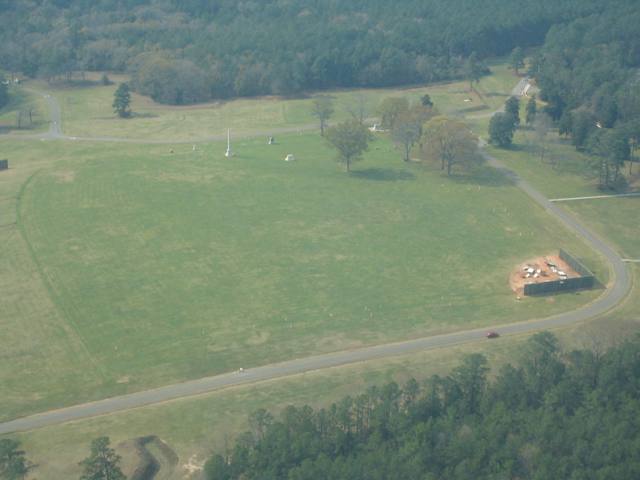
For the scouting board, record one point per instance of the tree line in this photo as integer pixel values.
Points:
(194, 50)
(554, 414)
(587, 71)
(439, 138)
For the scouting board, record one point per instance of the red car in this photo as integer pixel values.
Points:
(492, 335)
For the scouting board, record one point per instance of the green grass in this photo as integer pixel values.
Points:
(21, 99)
(196, 427)
(87, 111)
(613, 218)
(293, 235)
(164, 267)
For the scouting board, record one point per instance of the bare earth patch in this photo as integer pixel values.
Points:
(66, 176)
(538, 270)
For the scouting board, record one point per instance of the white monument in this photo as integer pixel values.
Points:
(228, 152)
(289, 158)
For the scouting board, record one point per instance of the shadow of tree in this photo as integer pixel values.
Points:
(143, 115)
(383, 174)
(485, 176)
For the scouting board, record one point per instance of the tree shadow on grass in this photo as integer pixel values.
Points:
(383, 174)
(485, 176)
(143, 115)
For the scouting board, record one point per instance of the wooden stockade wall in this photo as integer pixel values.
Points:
(585, 280)
(4, 164)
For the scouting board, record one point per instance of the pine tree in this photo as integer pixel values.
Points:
(103, 462)
(512, 108)
(122, 100)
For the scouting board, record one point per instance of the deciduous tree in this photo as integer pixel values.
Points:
(322, 109)
(389, 110)
(450, 142)
(542, 125)
(516, 60)
(408, 127)
(358, 107)
(473, 70)
(350, 139)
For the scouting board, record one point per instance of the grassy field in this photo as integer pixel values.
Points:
(133, 267)
(163, 267)
(196, 427)
(87, 111)
(21, 99)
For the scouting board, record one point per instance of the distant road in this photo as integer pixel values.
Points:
(620, 285)
(55, 131)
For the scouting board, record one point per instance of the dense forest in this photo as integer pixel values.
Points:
(589, 74)
(184, 51)
(570, 415)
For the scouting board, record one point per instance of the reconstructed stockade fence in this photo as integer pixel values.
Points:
(585, 280)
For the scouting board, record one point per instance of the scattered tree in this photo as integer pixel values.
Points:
(583, 123)
(389, 110)
(450, 142)
(358, 108)
(104, 80)
(322, 109)
(516, 60)
(531, 110)
(611, 148)
(473, 70)
(350, 139)
(501, 130)
(542, 125)
(102, 463)
(406, 132)
(426, 101)
(122, 101)
(13, 462)
(632, 130)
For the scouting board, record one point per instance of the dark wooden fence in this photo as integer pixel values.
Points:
(585, 280)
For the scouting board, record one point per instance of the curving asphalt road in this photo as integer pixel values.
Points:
(619, 287)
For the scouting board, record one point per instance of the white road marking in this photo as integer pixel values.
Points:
(570, 199)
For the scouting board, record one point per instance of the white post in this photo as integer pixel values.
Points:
(228, 152)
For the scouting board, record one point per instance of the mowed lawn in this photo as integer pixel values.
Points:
(87, 111)
(165, 267)
(21, 99)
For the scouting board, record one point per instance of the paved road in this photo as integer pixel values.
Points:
(619, 286)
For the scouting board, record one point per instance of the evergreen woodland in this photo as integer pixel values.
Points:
(554, 415)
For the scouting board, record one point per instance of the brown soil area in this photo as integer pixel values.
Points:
(522, 274)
